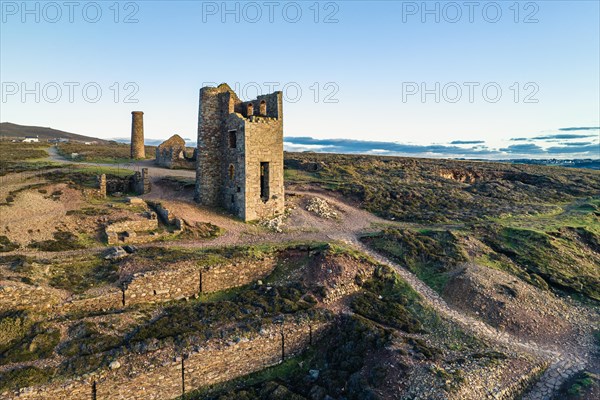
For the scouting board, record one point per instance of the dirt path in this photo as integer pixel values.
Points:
(305, 226)
(563, 365)
(154, 171)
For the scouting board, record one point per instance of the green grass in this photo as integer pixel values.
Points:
(420, 190)
(337, 356)
(24, 157)
(297, 176)
(38, 343)
(581, 213)
(62, 241)
(87, 340)
(579, 386)
(85, 176)
(567, 259)
(14, 326)
(6, 245)
(82, 273)
(387, 299)
(429, 254)
(242, 311)
(18, 378)
(98, 170)
(101, 153)
(11, 152)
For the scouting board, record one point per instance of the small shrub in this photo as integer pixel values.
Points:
(37, 344)
(18, 378)
(6, 245)
(62, 241)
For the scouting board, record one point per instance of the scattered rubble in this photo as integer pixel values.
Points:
(274, 224)
(115, 253)
(322, 208)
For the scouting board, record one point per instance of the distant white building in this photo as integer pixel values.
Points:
(31, 139)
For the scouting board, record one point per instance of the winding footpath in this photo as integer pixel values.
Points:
(563, 363)
(562, 366)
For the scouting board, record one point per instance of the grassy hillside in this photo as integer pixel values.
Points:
(10, 130)
(19, 157)
(541, 224)
(428, 190)
(112, 152)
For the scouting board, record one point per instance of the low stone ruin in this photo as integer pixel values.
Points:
(167, 216)
(132, 231)
(138, 183)
(172, 154)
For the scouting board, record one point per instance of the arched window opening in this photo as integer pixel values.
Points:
(250, 109)
(263, 108)
(231, 171)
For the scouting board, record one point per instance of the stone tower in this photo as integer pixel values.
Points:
(137, 135)
(240, 153)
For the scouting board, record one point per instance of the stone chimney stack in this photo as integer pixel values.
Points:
(137, 135)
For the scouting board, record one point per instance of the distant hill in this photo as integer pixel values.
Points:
(10, 130)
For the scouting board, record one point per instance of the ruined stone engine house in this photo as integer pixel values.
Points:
(240, 153)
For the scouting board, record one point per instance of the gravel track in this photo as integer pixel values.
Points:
(354, 222)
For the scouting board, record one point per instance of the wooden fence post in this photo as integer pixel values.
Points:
(182, 377)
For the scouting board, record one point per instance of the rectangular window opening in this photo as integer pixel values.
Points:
(264, 181)
(232, 139)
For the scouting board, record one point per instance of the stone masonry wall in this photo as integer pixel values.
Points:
(165, 215)
(227, 276)
(125, 231)
(102, 185)
(157, 375)
(185, 280)
(20, 296)
(233, 140)
(171, 154)
(208, 177)
(138, 151)
(177, 281)
(141, 182)
(264, 143)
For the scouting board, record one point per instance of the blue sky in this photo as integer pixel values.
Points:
(364, 71)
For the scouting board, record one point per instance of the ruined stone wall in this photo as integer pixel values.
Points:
(163, 285)
(226, 276)
(233, 141)
(102, 185)
(268, 105)
(141, 182)
(172, 282)
(233, 195)
(114, 185)
(20, 296)
(174, 158)
(172, 154)
(138, 151)
(110, 300)
(186, 280)
(157, 375)
(208, 177)
(125, 231)
(165, 215)
(264, 143)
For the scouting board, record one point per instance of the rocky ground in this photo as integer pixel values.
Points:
(487, 333)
